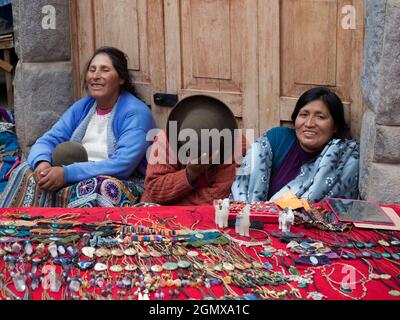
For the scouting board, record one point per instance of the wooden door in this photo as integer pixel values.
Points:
(307, 43)
(211, 48)
(134, 26)
(257, 56)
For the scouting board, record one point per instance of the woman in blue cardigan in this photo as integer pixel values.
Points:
(313, 160)
(90, 152)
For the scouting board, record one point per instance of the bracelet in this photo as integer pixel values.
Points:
(249, 243)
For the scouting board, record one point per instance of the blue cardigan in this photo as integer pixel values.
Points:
(129, 123)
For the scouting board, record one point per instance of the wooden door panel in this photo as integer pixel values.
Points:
(314, 42)
(315, 50)
(211, 52)
(123, 33)
(308, 45)
(83, 41)
(207, 46)
(218, 47)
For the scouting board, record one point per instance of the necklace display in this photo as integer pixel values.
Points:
(154, 258)
(345, 288)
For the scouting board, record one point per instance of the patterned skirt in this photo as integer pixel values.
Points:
(100, 191)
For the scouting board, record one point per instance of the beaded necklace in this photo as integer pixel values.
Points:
(332, 282)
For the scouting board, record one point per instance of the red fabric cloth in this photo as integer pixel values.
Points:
(202, 217)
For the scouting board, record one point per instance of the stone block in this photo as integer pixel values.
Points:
(380, 79)
(367, 143)
(34, 42)
(42, 93)
(379, 161)
(375, 12)
(387, 144)
(378, 143)
(382, 184)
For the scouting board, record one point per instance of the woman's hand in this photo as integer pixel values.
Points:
(38, 173)
(53, 179)
(196, 170)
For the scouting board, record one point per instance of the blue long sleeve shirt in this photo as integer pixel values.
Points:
(129, 124)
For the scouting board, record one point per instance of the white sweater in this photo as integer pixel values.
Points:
(95, 139)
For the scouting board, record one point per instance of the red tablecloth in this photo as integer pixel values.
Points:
(203, 218)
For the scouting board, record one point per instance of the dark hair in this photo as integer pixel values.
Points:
(332, 102)
(120, 63)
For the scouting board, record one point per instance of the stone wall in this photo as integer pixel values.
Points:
(43, 77)
(380, 84)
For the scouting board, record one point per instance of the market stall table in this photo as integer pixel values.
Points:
(341, 279)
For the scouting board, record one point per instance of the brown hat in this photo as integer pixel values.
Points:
(201, 112)
(69, 152)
